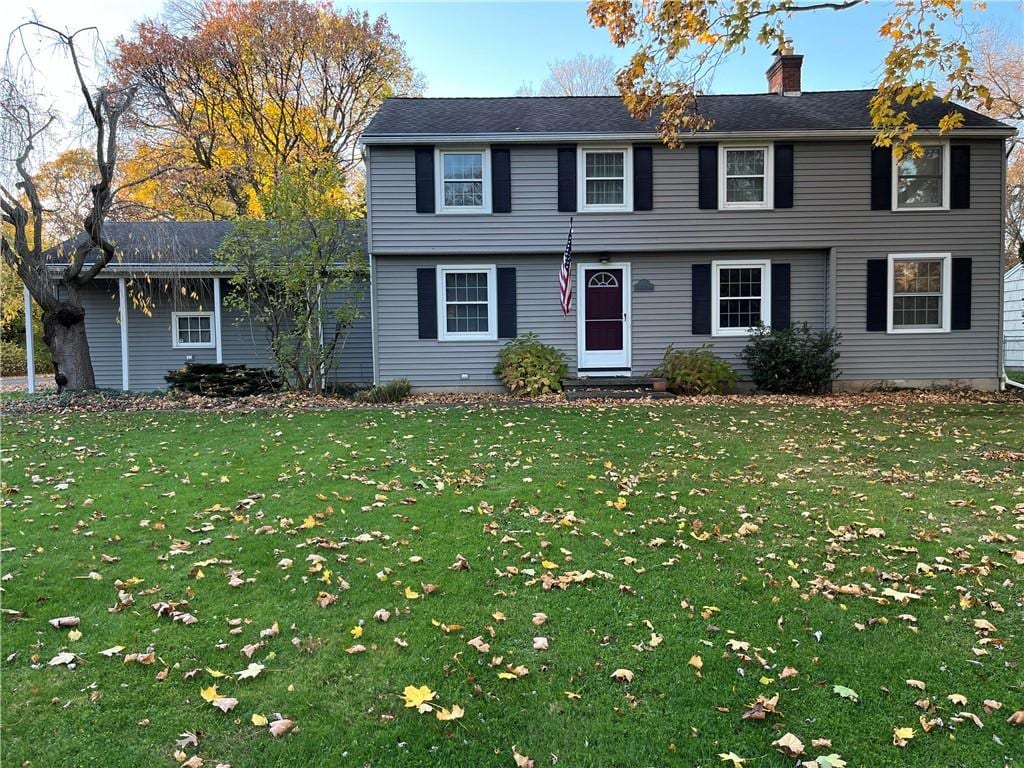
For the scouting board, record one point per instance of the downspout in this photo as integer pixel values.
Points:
(365, 152)
(1005, 380)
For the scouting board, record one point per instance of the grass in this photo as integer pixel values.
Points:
(649, 500)
(1017, 376)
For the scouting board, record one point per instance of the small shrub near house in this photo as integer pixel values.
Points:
(219, 380)
(529, 368)
(14, 359)
(795, 361)
(393, 392)
(695, 371)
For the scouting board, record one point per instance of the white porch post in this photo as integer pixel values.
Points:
(30, 353)
(122, 294)
(216, 319)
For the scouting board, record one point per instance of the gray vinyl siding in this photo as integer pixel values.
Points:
(151, 352)
(831, 211)
(659, 317)
(354, 355)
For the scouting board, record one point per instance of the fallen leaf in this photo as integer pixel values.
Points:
(900, 736)
(250, 672)
(418, 697)
(225, 703)
(281, 727)
(259, 720)
(789, 745)
(732, 757)
(623, 675)
(455, 713)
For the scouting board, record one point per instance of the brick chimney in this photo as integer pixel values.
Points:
(784, 73)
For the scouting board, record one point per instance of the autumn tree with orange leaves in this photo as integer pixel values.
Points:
(680, 43)
(232, 92)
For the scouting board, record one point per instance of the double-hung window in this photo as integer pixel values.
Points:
(467, 302)
(922, 183)
(463, 179)
(605, 179)
(740, 296)
(919, 292)
(745, 178)
(192, 329)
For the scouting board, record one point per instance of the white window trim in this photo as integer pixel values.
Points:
(443, 334)
(439, 154)
(627, 179)
(177, 344)
(769, 177)
(945, 181)
(765, 265)
(947, 284)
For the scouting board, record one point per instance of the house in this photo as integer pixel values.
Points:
(783, 212)
(161, 304)
(1013, 317)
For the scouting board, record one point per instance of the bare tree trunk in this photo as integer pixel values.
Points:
(64, 334)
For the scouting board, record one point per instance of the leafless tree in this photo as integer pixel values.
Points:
(23, 126)
(582, 75)
(999, 61)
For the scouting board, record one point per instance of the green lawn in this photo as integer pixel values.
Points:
(769, 545)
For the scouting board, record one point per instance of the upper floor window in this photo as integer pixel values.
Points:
(464, 181)
(745, 181)
(467, 302)
(192, 329)
(922, 183)
(919, 292)
(740, 296)
(605, 179)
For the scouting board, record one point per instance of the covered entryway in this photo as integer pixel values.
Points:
(603, 319)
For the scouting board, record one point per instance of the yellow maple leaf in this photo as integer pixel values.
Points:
(259, 720)
(732, 757)
(696, 662)
(572, 695)
(548, 565)
(506, 676)
(411, 594)
(214, 673)
(310, 522)
(418, 697)
(209, 694)
(356, 632)
(453, 714)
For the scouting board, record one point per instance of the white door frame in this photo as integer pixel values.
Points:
(602, 362)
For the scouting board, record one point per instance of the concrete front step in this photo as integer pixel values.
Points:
(616, 394)
(610, 383)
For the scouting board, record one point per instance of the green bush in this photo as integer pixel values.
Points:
(393, 392)
(528, 367)
(219, 380)
(795, 361)
(14, 360)
(695, 371)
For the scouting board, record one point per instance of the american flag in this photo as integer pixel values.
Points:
(565, 275)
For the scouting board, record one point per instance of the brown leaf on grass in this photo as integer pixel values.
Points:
(917, 684)
(762, 707)
(622, 675)
(225, 703)
(65, 622)
(460, 564)
(789, 745)
(540, 643)
(272, 631)
(382, 615)
(193, 762)
(281, 727)
(186, 740)
(1017, 718)
(479, 644)
(522, 761)
(66, 658)
(354, 649)
(455, 713)
(788, 672)
(539, 618)
(325, 599)
(991, 705)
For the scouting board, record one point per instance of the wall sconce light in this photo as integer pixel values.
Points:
(604, 258)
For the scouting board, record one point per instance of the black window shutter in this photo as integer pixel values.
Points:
(780, 297)
(701, 300)
(567, 179)
(960, 302)
(960, 176)
(501, 180)
(425, 180)
(881, 179)
(426, 302)
(783, 163)
(507, 303)
(643, 178)
(707, 175)
(878, 298)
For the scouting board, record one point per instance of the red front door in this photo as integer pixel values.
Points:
(604, 318)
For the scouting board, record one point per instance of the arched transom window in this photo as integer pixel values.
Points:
(603, 280)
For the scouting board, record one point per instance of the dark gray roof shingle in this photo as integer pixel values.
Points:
(166, 243)
(756, 112)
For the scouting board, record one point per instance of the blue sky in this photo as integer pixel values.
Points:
(490, 48)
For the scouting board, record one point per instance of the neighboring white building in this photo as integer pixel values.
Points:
(1013, 317)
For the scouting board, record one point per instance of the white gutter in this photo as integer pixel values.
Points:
(365, 152)
(122, 294)
(534, 136)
